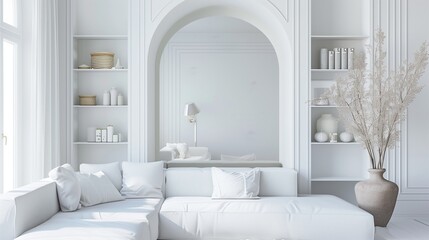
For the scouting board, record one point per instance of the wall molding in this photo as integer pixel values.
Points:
(156, 11)
(282, 7)
(407, 191)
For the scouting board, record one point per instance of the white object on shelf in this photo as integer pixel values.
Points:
(346, 137)
(110, 133)
(120, 100)
(90, 134)
(113, 97)
(344, 58)
(324, 58)
(327, 123)
(331, 60)
(333, 137)
(98, 135)
(115, 138)
(103, 135)
(350, 57)
(119, 137)
(337, 58)
(118, 64)
(321, 137)
(321, 101)
(106, 98)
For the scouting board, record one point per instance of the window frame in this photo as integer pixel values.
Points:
(14, 35)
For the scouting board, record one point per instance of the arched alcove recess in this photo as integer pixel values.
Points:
(260, 14)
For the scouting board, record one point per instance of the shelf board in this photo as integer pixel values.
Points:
(99, 106)
(100, 70)
(329, 70)
(336, 179)
(101, 37)
(324, 106)
(344, 37)
(102, 143)
(337, 143)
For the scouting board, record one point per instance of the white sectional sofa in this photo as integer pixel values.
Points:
(33, 212)
(187, 212)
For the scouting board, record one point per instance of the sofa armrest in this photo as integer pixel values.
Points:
(27, 207)
(165, 156)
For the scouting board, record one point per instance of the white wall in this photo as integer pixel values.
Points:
(405, 25)
(230, 71)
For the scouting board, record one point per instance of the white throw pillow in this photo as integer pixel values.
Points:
(142, 180)
(183, 150)
(235, 184)
(111, 170)
(96, 189)
(68, 187)
(173, 149)
(248, 157)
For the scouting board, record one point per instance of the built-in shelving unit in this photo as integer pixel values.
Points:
(100, 70)
(335, 167)
(107, 32)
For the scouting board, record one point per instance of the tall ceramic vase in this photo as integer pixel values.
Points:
(377, 196)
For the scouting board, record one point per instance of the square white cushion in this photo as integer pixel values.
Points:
(142, 180)
(111, 170)
(96, 189)
(68, 187)
(235, 184)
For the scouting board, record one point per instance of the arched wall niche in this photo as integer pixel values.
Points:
(260, 14)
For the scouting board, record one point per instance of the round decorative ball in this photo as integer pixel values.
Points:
(321, 137)
(346, 137)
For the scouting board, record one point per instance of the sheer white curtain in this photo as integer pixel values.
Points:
(45, 130)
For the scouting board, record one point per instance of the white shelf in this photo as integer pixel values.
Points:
(336, 179)
(99, 106)
(102, 143)
(100, 70)
(101, 37)
(330, 70)
(337, 143)
(325, 106)
(344, 37)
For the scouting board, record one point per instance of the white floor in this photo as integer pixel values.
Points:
(404, 228)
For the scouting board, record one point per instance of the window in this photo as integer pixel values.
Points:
(10, 15)
(9, 82)
(9, 65)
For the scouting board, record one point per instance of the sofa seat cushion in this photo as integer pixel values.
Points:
(309, 217)
(137, 210)
(82, 229)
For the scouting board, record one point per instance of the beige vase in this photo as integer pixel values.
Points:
(377, 196)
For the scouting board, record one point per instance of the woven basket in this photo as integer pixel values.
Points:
(102, 60)
(87, 100)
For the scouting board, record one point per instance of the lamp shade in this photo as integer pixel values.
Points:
(191, 109)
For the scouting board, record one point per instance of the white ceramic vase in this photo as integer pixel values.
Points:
(113, 97)
(327, 123)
